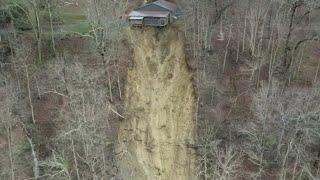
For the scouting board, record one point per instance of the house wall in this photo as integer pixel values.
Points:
(152, 21)
(136, 22)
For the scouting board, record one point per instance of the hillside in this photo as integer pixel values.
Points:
(158, 133)
(228, 91)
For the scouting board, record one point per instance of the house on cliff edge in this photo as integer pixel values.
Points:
(158, 13)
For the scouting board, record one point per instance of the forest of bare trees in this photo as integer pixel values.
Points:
(255, 67)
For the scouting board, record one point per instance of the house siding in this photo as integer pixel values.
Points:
(136, 22)
(152, 21)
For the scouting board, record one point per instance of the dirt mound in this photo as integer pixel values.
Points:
(158, 132)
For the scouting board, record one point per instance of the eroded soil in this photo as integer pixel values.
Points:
(158, 132)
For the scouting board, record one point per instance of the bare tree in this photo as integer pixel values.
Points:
(107, 32)
(285, 127)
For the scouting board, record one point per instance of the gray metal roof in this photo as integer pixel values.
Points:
(149, 13)
(167, 5)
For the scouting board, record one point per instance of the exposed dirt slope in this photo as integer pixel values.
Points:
(159, 128)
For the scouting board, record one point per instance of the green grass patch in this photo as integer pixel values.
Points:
(81, 27)
(72, 18)
(75, 23)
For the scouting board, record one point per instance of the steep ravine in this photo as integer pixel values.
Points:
(159, 128)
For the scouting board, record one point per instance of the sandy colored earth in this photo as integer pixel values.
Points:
(156, 137)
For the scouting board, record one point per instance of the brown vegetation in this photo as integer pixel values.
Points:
(255, 67)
